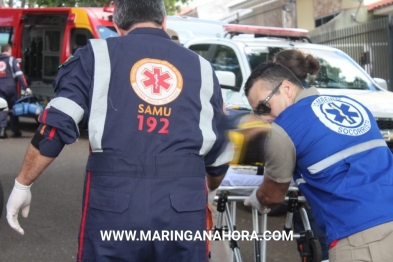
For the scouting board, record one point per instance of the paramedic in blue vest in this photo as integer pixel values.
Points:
(332, 147)
(9, 74)
(303, 66)
(154, 113)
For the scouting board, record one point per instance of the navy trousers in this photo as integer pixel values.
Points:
(10, 95)
(150, 194)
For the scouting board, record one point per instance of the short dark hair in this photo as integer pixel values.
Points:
(271, 72)
(130, 12)
(5, 48)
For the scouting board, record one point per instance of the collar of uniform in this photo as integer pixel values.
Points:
(150, 31)
(304, 83)
(312, 91)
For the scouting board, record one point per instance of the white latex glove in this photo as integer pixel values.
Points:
(19, 200)
(210, 196)
(252, 200)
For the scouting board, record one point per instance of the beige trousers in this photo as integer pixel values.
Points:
(374, 244)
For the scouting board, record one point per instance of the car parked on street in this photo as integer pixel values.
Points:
(234, 57)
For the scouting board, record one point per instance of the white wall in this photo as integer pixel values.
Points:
(211, 9)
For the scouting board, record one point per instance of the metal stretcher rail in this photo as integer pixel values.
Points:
(301, 199)
(234, 188)
(259, 246)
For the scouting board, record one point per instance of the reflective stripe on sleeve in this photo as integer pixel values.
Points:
(68, 107)
(207, 112)
(331, 160)
(99, 103)
(226, 156)
(11, 62)
(19, 73)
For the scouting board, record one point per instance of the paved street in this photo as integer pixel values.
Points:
(51, 229)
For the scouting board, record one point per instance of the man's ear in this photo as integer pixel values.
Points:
(119, 31)
(163, 26)
(289, 89)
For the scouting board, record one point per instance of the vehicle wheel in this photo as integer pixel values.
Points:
(1, 199)
(315, 251)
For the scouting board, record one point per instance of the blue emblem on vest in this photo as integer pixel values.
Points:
(342, 115)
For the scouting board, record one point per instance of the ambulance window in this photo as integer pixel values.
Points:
(201, 50)
(6, 35)
(225, 59)
(51, 52)
(260, 54)
(107, 31)
(338, 71)
(52, 41)
(79, 38)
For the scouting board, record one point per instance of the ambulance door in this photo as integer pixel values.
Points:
(79, 38)
(42, 39)
(79, 30)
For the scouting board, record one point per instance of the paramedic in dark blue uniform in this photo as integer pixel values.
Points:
(9, 74)
(341, 163)
(154, 112)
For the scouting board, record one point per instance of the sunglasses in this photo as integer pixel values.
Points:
(263, 108)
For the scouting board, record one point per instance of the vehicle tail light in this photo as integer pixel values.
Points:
(71, 18)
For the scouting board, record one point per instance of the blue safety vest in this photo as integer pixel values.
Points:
(343, 166)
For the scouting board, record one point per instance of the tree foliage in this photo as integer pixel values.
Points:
(171, 5)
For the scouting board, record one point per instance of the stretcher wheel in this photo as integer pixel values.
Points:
(1, 199)
(315, 250)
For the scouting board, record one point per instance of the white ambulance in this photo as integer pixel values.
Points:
(235, 55)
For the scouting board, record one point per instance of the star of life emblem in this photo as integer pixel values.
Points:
(3, 66)
(342, 115)
(155, 81)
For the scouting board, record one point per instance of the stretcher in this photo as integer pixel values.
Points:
(249, 135)
(311, 249)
